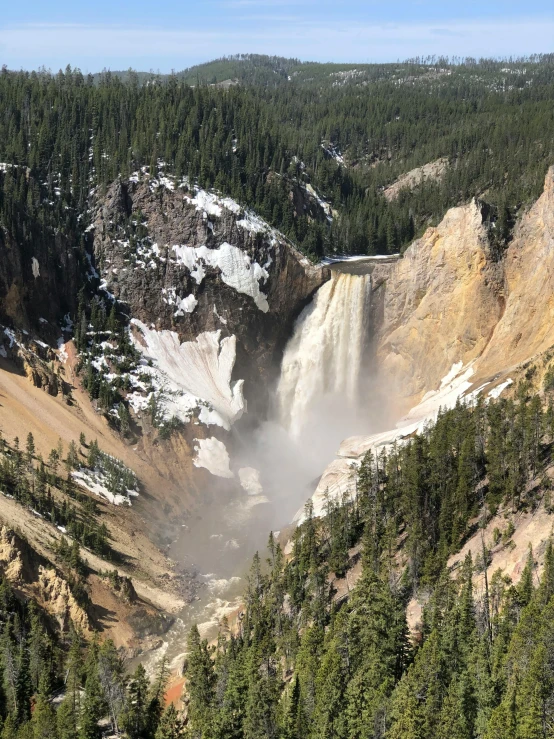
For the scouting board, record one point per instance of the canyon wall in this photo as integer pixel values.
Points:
(451, 320)
(448, 300)
(200, 263)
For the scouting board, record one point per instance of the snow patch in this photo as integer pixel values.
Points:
(62, 354)
(209, 417)
(499, 389)
(35, 268)
(254, 224)
(223, 320)
(250, 480)
(322, 203)
(339, 476)
(183, 305)
(237, 269)
(186, 305)
(95, 484)
(212, 455)
(358, 258)
(192, 372)
(212, 204)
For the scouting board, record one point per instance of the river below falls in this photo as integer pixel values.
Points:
(218, 543)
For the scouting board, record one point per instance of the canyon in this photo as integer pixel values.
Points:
(266, 361)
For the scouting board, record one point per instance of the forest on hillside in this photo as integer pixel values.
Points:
(314, 659)
(347, 132)
(314, 654)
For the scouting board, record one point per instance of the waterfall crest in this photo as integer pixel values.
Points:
(323, 359)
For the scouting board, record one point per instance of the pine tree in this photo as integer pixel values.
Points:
(135, 718)
(93, 705)
(546, 588)
(66, 719)
(525, 587)
(44, 719)
(171, 725)
(201, 684)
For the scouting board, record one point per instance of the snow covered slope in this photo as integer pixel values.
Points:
(192, 374)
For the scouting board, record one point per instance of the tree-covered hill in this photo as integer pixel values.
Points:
(347, 131)
(306, 664)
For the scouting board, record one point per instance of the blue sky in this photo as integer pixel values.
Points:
(166, 35)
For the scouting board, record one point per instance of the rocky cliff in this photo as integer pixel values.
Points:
(441, 303)
(39, 261)
(191, 262)
(449, 301)
(451, 321)
(527, 323)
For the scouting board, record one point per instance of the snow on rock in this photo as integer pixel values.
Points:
(223, 320)
(454, 385)
(67, 326)
(339, 476)
(359, 258)
(183, 305)
(499, 389)
(209, 417)
(11, 336)
(250, 480)
(237, 269)
(213, 204)
(186, 305)
(212, 454)
(96, 485)
(322, 203)
(333, 152)
(35, 268)
(253, 223)
(192, 372)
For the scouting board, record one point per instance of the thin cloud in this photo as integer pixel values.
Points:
(93, 47)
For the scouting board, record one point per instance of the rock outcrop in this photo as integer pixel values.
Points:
(192, 262)
(441, 303)
(431, 171)
(55, 594)
(449, 301)
(32, 575)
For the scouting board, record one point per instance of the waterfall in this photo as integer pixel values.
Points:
(323, 359)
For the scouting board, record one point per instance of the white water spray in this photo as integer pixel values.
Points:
(323, 360)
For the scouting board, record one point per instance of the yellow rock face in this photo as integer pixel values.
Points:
(442, 302)
(527, 324)
(448, 301)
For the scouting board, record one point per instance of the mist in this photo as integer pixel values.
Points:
(325, 393)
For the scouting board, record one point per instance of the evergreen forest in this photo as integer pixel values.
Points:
(349, 132)
(311, 658)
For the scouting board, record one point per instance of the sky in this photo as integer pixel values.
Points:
(170, 34)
